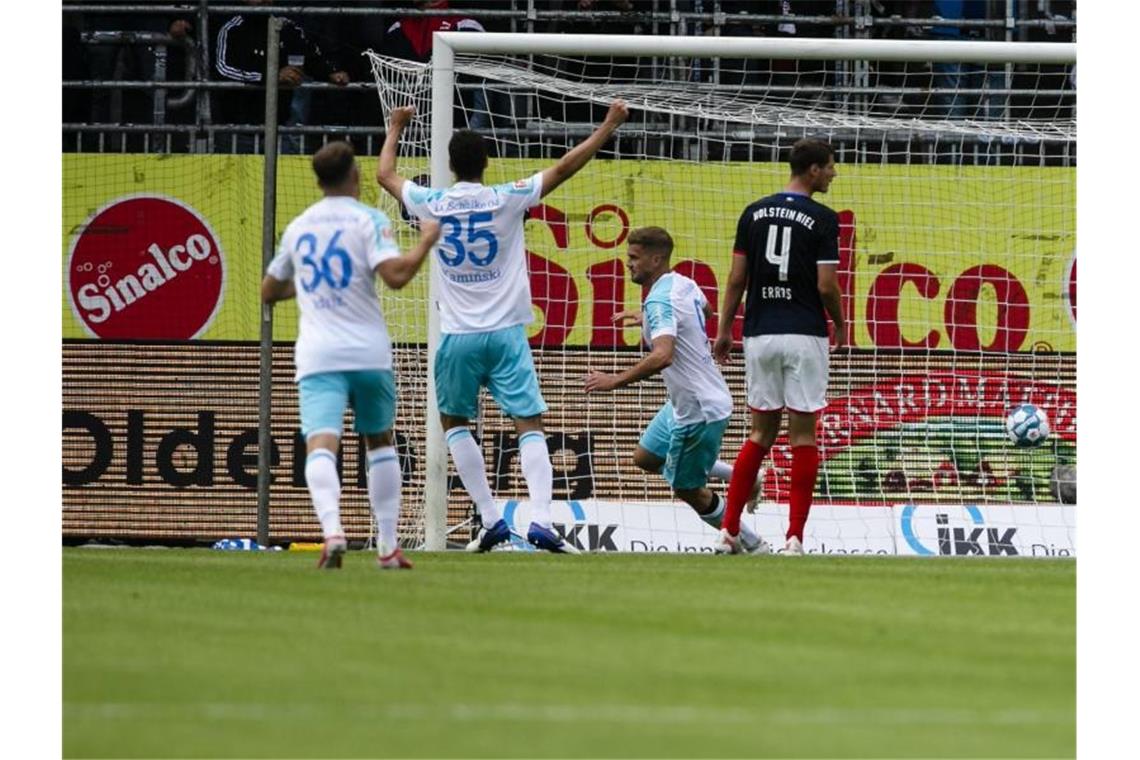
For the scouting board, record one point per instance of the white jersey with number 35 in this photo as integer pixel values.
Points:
(330, 252)
(481, 255)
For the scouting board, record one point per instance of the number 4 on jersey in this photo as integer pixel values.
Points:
(780, 261)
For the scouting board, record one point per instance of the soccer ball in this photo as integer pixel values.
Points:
(1027, 425)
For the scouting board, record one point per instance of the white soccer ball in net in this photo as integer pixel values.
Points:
(1027, 425)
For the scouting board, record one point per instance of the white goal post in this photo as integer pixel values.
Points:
(736, 114)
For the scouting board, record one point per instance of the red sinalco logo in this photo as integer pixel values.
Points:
(146, 267)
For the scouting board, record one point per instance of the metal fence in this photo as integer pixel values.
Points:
(168, 115)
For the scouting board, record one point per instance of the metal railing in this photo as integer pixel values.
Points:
(854, 14)
(855, 83)
(160, 44)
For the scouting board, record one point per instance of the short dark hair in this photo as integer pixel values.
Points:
(655, 239)
(333, 163)
(468, 153)
(809, 152)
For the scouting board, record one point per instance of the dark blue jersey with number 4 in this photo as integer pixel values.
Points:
(785, 237)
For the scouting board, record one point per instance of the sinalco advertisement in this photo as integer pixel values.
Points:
(934, 257)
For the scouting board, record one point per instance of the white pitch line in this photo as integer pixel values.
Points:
(614, 713)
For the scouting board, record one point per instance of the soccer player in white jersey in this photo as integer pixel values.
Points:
(683, 440)
(328, 259)
(484, 308)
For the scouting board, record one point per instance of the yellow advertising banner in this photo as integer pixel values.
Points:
(934, 257)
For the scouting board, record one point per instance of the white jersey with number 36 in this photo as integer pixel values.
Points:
(481, 255)
(331, 252)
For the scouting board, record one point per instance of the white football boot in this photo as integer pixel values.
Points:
(726, 543)
(759, 546)
(757, 492)
(793, 548)
(332, 553)
(394, 561)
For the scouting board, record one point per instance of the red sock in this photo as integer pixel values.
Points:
(805, 466)
(740, 485)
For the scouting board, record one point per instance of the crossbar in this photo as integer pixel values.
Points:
(813, 49)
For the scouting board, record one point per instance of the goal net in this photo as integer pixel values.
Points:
(956, 194)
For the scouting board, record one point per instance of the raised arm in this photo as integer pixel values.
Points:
(386, 169)
(399, 271)
(572, 162)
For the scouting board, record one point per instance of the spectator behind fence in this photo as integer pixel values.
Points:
(410, 38)
(326, 34)
(343, 38)
(890, 75)
(625, 6)
(957, 105)
(76, 102)
(597, 68)
(108, 59)
(755, 72)
(239, 56)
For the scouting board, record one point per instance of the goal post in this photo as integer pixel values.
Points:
(951, 186)
(435, 494)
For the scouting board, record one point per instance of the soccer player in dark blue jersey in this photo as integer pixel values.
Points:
(787, 257)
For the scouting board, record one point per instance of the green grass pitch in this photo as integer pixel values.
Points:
(194, 653)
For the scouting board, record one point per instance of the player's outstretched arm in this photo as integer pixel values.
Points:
(627, 318)
(733, 294)
(386, 169)
(399, 271)
(656, 360)
(580, 155)
(274, 290)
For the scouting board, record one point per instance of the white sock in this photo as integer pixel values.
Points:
(534, 457)
(324, 487)
(473, 473)
(747, 536)
(721, 470)
(384, 495)
(715, 517)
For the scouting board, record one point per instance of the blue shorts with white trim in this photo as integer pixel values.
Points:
(324, 397)
(499, 360)
(689, 451)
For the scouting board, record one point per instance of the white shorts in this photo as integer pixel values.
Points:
(786, 371)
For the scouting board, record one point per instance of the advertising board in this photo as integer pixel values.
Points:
(933, 257)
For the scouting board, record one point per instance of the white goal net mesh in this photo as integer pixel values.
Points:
(956, 193)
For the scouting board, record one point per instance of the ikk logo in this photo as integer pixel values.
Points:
(146, 267)
(973, 539)
(582, 535)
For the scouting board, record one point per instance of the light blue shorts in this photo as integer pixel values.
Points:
(689, 451)
(499, 360)
(324, 396)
